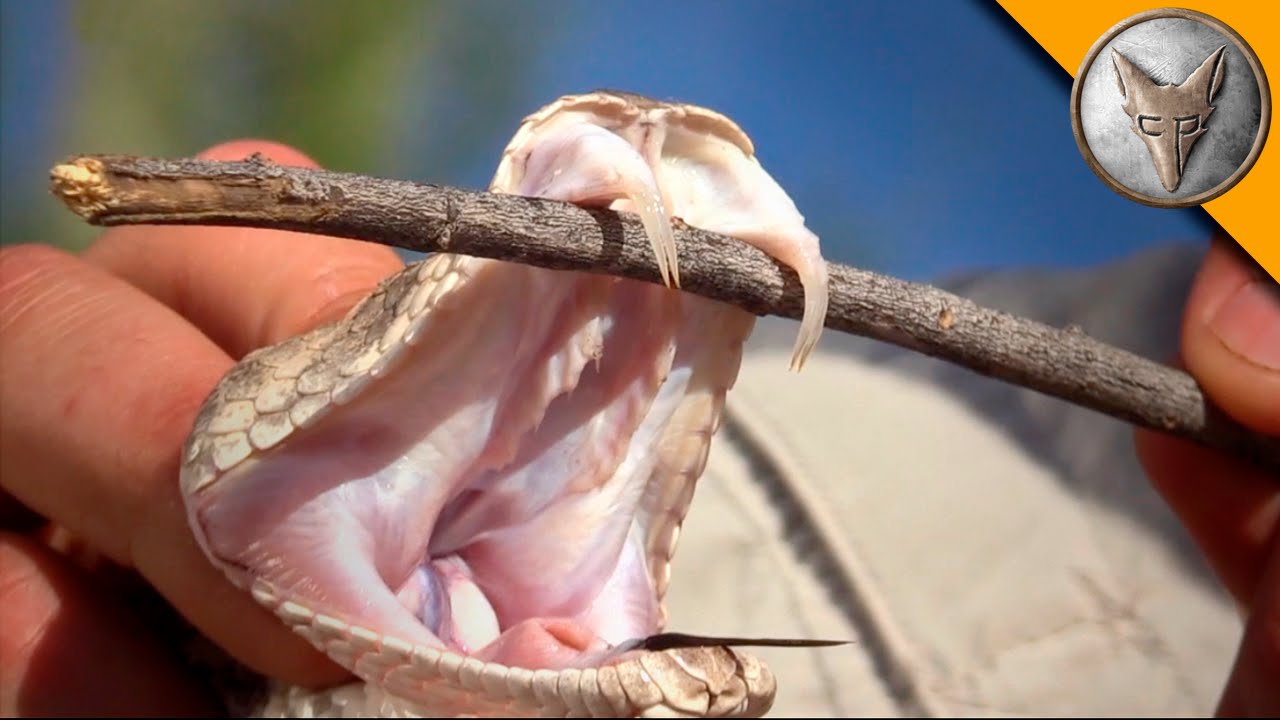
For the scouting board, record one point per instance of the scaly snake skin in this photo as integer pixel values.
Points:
(277, 391)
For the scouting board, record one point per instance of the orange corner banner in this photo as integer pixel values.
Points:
(1246, 211)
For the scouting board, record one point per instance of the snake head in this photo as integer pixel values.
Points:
(469, 490)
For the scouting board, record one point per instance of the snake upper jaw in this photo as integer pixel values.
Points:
(698, 163)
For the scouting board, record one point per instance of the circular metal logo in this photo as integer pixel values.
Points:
(1170, 108)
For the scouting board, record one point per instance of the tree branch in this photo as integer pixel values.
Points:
(122, 190)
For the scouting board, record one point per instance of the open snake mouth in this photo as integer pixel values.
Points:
(500, 510)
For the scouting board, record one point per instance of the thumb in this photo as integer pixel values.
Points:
(1231, 346)
(1231, 337)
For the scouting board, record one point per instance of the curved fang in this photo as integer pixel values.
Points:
(648, 205)
(794, 245)
(813, 278)
(583, 163)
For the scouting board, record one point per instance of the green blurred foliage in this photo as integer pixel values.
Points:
(172, 76)
(356, 85)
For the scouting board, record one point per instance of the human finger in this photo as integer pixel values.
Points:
(1253, 689)
(1230, 507)
(69, 650)
(1231, 345)
(100, 387)
(245, 287)
(1231, 336)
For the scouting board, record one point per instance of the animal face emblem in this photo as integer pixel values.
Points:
(1170, 118)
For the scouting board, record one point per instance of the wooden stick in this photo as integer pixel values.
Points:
(1065, 363)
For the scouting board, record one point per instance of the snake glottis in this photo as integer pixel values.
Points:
(469, 490)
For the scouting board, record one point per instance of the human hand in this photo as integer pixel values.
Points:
(1231, 345)
(106, 360)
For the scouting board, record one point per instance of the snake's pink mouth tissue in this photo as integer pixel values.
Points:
(499, 523)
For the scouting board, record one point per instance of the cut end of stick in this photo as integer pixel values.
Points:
(82, 185)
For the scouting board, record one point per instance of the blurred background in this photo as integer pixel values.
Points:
(918, 139)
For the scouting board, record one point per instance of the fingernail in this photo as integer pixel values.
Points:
(1248, 323)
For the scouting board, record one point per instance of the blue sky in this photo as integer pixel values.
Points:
(918, 139)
